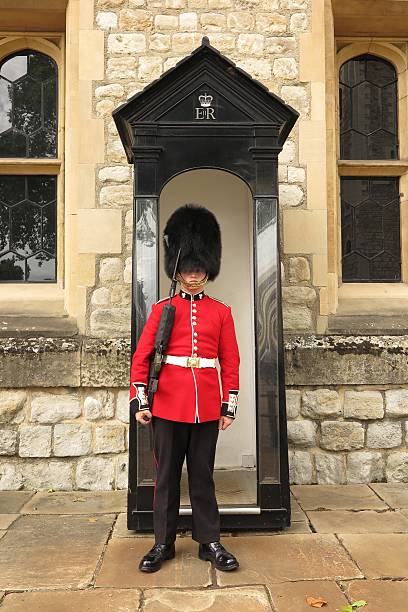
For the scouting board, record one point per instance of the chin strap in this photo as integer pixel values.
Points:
(192, 284)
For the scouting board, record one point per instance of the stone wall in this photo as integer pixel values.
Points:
(347, 409)
(142, 40)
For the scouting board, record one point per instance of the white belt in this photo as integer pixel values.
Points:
(190, 362)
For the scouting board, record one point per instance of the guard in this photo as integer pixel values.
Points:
(188, 409)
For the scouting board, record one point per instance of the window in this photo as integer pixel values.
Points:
(370, 206)
(28, 201)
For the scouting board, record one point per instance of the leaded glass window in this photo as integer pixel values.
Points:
(368, 109)
(28, 228)
(28, 105)
(370, 228)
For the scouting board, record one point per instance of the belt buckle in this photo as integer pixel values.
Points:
(193, 362)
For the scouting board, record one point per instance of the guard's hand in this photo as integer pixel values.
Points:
(143, 416)
(225, 422)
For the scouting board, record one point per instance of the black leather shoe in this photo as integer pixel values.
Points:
(216, 553)
(152, 561)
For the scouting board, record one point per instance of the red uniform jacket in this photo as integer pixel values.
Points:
(203, 327)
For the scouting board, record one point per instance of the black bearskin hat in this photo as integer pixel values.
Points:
(195, 230)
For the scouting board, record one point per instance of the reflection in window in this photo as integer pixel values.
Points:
(28, 225)
(28, 105)
(370, 229)
(368, 109)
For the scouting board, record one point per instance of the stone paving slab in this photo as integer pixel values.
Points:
(76, 502)
(380, 595)
(379, 555)
(52, 551)
(105, 600)
(291, 596)
(12, 501)
(121, 560)
(337, 497)
(288, 557)
(396, 495)
(297, 514)
(251, 599)
(365, 521)
(7, 519)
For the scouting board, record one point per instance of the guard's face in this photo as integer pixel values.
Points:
(193, 276)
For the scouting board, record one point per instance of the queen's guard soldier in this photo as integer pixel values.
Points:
(188, 408)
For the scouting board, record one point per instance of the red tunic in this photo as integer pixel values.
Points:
(203, 327)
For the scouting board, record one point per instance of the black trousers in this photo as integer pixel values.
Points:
(172, 441)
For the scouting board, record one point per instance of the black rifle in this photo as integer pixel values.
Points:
(162, 338)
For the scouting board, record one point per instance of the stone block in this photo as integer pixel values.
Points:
(121, 471)
(341, 435)
(35, 441)
(8, 442)
(116, 174)
(298, 23)
(115, 152)
(150, 68)
(223, 41)
(188, 22)
(112, 90)
(256, 67)
(109, 438)
(397, 467)
(166, 22)
(159, 42)
(290, 195)
(293, 397)
(11, 478)
(138, 19)
(127, 273)
(122, 406)
(384, 435)
(396, 402)
(113, 320)
(288, 153)
(365, 467)
(242, 21)
(53, 407)
(185, 42)
(298, 97)
(280, 45)
(116, 196)
(330, 468)
(285, 68)
(321, 403)
(121, 295)
(296, 175)
(302, 433)
(121, 68)
(363, 405)
(100, 297)
(110, 270)
(251, 44)
(271, 23)
(299, 295)
(105, 362)
(99, 405)
(300, 467)
(72, 439)
(297, 318)
(41, 475)
(94, 473)
(11, 404)
(294, 4)
(213, 22)
(104, 108)
(176, 4)
(107, 20)
(110, 3)
(219, 4)
(126, 43)
(299, 270)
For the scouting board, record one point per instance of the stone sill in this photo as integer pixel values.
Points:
(312, 360)
(44, 326)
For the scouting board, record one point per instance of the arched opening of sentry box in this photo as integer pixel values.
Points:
(230, 199)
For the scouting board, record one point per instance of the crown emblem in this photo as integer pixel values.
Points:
(205, 100)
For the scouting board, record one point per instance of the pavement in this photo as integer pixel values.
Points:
(71, 551)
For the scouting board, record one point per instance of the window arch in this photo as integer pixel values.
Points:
(28, 202)
(28, 102)
(370, 206)
(368, 109)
